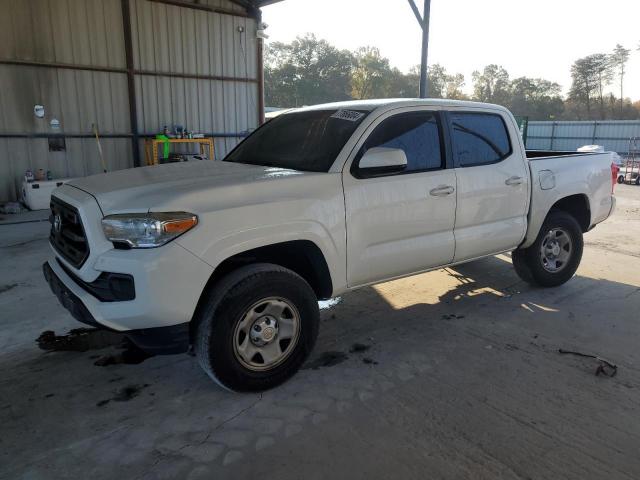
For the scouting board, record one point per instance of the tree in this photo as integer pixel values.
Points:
(437, 80)
(404, 85)
(372, 75)
(306, 71)
(492, 85)
(584, 84)
(454, 87)
(536, 98)
(310, 71)
(604, 71)
(619, 60)
(440, 84)
(629, 111)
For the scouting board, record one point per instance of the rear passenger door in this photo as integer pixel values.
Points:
(400, 222)
(492, 183)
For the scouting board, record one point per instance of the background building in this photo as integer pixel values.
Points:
(130, 67)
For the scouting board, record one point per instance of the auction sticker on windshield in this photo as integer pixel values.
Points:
(350, 115)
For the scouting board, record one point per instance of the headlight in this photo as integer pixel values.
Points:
(147, 230)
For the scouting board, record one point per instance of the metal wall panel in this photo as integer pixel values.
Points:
(80, 159)
(78, 32)
(613, 135)
(171, 39)
(89, 34)
(77, 99)
(226, 4)
(86, 33)
(167, 38)
(211, 107)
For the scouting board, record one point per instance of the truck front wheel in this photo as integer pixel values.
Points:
(555, 255)
(256, 328)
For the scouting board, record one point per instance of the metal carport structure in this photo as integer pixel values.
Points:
(128, 66)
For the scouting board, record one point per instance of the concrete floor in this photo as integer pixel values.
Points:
(461, 379)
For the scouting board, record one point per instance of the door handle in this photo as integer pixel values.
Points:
(513, 181)
(442, 191)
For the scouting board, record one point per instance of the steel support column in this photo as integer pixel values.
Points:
(260, 55)
(131, 84)
(423, 21)
(257, 15)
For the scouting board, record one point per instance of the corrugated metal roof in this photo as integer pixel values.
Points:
(255, 3)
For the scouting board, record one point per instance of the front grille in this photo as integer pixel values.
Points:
(67, 234)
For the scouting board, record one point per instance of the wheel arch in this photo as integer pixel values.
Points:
(577, 205)
(303, 257)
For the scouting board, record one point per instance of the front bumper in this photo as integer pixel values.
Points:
(168, 283)
(155, 341)
(129, 291)
(67, 298)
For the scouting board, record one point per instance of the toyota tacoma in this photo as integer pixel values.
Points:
(229, 258)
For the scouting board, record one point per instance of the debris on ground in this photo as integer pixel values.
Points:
(326, 304)
(452, 317)
(131, 355)
(327, 359)
(359, 348)
(6, 288)
(85, 339)
(124, 394)
(605, 367)
(369, 361)
(78, 340)
(11, 208)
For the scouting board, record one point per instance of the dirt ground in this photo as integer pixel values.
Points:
(451, 374)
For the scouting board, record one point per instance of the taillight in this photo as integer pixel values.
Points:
(614, 175)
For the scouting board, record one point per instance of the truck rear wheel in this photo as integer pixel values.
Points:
(257, 327)
(555, 255)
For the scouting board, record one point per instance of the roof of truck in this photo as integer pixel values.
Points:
(388, 103)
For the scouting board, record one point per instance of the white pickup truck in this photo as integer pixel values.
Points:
(229, 258)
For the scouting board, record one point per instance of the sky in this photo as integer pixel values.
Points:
(534, 38)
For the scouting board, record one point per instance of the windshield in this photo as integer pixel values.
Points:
(307, 141)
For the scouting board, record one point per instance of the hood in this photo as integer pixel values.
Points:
(181, 186)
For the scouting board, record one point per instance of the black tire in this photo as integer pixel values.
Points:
(620, 179)
(528, 262)
(638, 180)
(224, 309)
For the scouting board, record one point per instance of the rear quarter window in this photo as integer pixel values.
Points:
(479, 138)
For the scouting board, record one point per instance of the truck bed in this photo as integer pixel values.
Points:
(555, 175)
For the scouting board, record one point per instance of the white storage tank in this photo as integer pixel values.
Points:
(36, 195)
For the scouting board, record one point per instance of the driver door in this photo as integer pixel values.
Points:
(400, 222)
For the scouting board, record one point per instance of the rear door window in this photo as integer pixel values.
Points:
(479, 138)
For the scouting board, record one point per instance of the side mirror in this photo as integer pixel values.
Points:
(383, 160)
